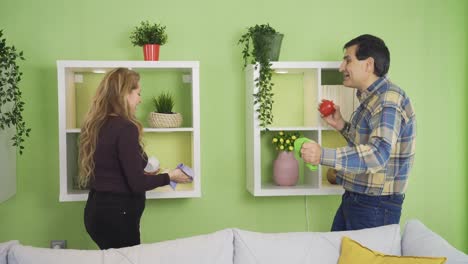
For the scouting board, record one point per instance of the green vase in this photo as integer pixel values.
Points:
(270, 42)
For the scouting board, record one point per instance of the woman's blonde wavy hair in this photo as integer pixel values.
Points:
(110, 99)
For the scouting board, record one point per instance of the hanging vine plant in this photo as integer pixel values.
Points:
(11, 104)
(266, 46)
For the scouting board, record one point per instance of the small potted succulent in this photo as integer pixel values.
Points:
(150, 37)
(266, 48)
(285, 166)
(163, 117)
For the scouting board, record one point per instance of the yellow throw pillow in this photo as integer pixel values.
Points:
(353, 252)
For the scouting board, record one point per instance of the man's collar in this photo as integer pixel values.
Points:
(362, 95)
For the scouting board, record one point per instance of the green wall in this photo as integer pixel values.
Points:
(427, 40)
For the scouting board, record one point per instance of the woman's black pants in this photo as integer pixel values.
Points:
(113, 219)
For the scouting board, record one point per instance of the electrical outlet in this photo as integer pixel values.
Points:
(78, 78)
(58, 244)
(187, 78)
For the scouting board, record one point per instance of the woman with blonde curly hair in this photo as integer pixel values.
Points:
(112, 162)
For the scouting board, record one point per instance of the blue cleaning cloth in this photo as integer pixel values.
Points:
(185, 169)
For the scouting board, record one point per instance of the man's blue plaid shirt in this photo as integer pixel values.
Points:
(381, 139)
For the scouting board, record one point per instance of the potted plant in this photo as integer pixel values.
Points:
(163, 115)
(266, 47)
(285, 166)
(150, 37)
(11, 103)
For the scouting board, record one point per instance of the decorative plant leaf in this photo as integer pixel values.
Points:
(163, 103)
(12, 106)
(259, 57)
(284, 140)
(148, 33)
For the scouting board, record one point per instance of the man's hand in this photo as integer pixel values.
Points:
(311, 153)
(335, 120)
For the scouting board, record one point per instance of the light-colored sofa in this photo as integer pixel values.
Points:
(235, 246)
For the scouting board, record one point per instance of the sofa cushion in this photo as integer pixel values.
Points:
(353, 252)
(20, 254)
(4, 248)
(308, 247)
(211, 248)
(418, 240)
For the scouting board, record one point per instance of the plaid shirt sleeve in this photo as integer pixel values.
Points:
(384, 128)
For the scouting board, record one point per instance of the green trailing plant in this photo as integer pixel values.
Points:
(11, 103)
(259, 55)
(148, 33)
(163, 103)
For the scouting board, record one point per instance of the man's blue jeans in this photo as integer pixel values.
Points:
(358, 211)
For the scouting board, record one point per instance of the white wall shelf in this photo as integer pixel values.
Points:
(298, 89)
(71, 74)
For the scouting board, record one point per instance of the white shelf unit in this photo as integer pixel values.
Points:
(70, 75)
(298, 89)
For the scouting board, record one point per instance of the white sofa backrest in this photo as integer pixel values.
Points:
(4, 248)
(418, 240)
(20, 254)
(245, 247)
(309, 247)
(211, 248)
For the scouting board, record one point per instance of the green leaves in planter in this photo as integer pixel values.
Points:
(163, 103)
(148, 33)
(261, 37)
(266, 45)
(11, 104)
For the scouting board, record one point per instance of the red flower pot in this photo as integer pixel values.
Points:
(151, 52)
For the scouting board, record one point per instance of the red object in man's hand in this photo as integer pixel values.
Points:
(327, 107)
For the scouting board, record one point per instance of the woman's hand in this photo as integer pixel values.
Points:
(179, 176)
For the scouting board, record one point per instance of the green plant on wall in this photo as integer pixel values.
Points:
(148, 33)
(266, 44)
(163, 103)
(11, 104)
